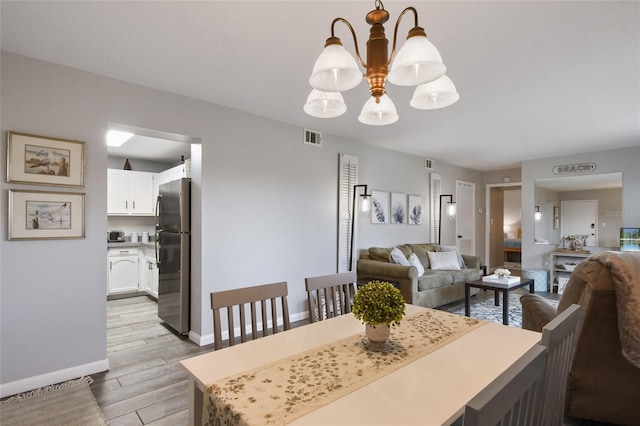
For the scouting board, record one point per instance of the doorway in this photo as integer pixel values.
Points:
(161, 157)
(579, 218)
(503, 230)
(465, 217)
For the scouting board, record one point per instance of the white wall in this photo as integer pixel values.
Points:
(535, 256)
(267, 212)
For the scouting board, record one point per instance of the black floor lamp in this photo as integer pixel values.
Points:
(365, 205)
(451, 211)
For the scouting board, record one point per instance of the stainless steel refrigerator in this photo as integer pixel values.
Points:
(173, 251)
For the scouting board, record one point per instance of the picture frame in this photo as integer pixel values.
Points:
(45, 215)
(414, 213)
(556, 223)
(379, 207)
(556, 211)
(398, 211)
(43, 160)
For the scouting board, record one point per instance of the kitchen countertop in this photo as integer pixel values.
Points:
(129, 244)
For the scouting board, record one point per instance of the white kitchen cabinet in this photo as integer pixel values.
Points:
(149, 276)
(130, 193)
(123, 270)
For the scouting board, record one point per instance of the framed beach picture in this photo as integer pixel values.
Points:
(379, 207)
(37, 215)
(414, 214)
(43, 160)
(398, 208)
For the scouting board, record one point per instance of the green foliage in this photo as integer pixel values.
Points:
(378, 302)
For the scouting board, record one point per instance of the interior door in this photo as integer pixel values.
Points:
(465, 218)
(579, 217)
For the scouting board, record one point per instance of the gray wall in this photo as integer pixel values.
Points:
(535, 256)
(267, 212)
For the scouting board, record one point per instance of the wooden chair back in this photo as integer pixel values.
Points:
(514, 397)
(330, 295)
(558, 336)
(237, 299)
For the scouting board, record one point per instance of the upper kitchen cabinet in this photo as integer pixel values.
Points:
(130, 193)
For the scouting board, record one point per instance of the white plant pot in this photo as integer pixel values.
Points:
(378, 333)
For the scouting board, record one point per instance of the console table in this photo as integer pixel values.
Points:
(559, 274)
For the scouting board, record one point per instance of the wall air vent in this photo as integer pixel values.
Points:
(428, 164)
(311, 137)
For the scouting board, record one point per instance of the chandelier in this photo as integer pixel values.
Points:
(417, 63)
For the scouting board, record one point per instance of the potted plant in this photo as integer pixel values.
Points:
(379, 305)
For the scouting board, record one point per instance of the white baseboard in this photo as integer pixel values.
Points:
(54, 377)
(207, 339)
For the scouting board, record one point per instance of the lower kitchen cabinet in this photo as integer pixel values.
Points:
(123, 270)
(151, 276)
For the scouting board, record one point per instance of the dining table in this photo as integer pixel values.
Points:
(325, 372)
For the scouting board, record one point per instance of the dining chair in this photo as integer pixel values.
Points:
(558, 336)
(514, 397)
(330, 295)
(237, 299)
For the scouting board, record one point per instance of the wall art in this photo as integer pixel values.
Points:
(43, 160)
(379, 207)
(414, 215)
(39, 215)
(398, 208)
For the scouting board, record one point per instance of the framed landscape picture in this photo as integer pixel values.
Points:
(36, 215)
(414, 215)
(398, 208)
(379, 207)
(44, 160)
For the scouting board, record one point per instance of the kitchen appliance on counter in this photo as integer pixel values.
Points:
(115, 236)
(173, 252)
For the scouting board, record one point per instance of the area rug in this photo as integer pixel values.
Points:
(486, 309)
(66, 404)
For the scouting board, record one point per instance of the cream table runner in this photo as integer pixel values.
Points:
(287, 389)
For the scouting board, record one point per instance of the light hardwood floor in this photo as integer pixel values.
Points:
(144, 384)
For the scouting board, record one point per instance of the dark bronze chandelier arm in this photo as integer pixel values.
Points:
(353, 34)
(395, 31)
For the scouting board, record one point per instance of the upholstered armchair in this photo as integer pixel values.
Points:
(604, 381)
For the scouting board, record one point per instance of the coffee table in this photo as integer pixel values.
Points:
(498, 288)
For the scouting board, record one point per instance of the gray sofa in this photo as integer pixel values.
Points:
(434, 288)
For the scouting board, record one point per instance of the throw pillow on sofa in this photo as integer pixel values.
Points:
(414, 261)
(396, 256)
(444, 261)
(380, 253)
(456, 251)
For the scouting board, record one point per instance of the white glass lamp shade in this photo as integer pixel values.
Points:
(437, 94)
(335, 70)
(451, 210)
(325, 104)
(417, 62)
(365, 204)
(378, 114)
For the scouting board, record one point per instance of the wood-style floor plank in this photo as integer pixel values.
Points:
(145, 384)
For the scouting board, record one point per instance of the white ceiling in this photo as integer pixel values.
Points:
(536, 78)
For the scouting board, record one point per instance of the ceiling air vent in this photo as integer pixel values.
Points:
(312, 137)
(428, 164)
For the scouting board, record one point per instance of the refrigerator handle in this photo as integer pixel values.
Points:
(158, 227)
